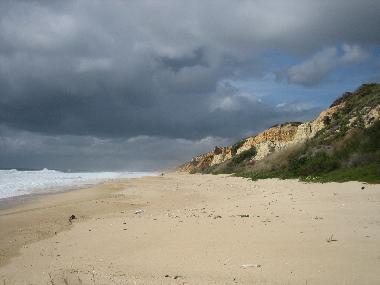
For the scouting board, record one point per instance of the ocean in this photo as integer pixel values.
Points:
(16, 183)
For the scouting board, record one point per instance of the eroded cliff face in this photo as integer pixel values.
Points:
(271, 140)
(219, 155)
(278, 138)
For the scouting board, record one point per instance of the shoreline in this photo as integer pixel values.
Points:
(47, 190)
(14, 201)
(195, 229)
(26, 209)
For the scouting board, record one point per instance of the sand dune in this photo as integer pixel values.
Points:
(195, 229)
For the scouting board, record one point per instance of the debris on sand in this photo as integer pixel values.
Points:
(174, 277)
(139, 211)
(244, 216)
(72, 217)
(251, 265)
(331, 239)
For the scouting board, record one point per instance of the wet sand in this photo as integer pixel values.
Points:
(195, 229)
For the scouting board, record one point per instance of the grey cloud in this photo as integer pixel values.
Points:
(178, 63)
(31, 150)
(312, 71)
(230, 99)
(353, 54)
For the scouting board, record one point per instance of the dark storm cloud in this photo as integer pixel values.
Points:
(178, 63)
(124, 69)
(30, 150)
(132, 68)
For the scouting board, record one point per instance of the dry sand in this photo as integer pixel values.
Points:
(195, 229)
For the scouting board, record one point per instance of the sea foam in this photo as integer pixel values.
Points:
(16, 183)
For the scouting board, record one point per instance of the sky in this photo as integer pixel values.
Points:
(145, 85)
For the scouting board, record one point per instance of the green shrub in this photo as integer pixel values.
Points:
(236, 146)
(244, 155)
(367, 173)
(316, 164)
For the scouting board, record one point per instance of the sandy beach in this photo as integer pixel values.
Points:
(195, 229)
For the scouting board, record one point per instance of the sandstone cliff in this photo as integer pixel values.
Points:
(282, 136)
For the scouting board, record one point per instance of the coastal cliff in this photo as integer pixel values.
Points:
(351, 112)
